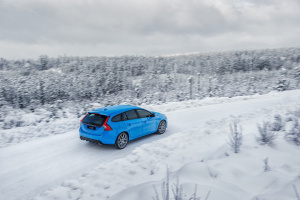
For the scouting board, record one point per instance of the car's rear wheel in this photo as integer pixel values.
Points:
(121, 141)
(161, 127)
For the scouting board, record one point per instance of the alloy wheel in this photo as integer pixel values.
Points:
(162, 127)
(122, 141)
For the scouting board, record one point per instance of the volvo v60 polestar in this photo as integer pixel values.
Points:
(117, 125)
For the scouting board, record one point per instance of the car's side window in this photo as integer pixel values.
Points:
(143, 113)
(124, 117)
(116, 118)
(131, 114)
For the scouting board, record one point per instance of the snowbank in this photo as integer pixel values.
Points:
(199, 156)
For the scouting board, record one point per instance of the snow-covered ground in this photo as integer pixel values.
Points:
(195, 149)
(23, 125)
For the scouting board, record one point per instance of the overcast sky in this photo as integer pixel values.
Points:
(29, 28)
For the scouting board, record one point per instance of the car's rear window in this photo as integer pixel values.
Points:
(94, 119)
(116, 118)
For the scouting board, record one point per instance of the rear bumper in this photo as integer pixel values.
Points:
(90, 140)
(106, 137)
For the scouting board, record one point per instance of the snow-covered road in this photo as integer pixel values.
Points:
(31, 167)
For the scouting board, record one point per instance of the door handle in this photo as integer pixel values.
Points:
(129, 124)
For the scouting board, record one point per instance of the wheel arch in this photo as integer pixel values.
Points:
(123, 132)
(160, 120)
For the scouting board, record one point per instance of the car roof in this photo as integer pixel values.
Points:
(111, 110)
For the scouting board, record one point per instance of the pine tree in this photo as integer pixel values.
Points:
(190, 82)
(44, 60)
(42, 92)
(235, 138)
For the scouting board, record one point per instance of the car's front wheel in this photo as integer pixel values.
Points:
(121, 141)
(161, 127)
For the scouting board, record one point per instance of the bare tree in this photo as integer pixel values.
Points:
(208, 193)
(194, 197)
(296, 192)
(177, 190)
(165, 186)
(156, 197)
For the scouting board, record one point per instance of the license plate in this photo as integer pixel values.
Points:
(91, 127)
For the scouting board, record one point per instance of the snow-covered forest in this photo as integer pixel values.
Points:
(224, 139)
(36, 92)
(224, 73)
(146, 79)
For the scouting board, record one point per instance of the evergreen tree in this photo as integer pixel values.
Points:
(42, 92)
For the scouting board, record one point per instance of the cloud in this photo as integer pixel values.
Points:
(122, 27)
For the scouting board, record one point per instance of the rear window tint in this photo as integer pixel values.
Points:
(144, 113)
(94, 119)
(116, 118)
(124, 117)
(131, 114)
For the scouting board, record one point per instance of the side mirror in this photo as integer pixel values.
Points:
(152, 115)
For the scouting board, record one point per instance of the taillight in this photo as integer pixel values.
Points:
(83, 117)
(106, 126)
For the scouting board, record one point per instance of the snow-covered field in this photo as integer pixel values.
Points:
(195, 149)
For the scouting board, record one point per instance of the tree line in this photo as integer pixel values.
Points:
(28, 83)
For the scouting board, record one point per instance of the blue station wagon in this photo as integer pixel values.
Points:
(119, 124)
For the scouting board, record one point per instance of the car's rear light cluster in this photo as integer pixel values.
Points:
(83, 117)
(106, 126)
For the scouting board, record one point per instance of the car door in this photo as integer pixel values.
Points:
(149, 123)
(134, 124)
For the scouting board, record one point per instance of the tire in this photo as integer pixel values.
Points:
(121, 140)
(161, 127)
